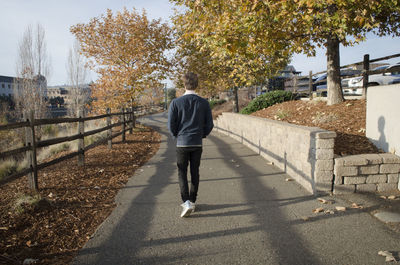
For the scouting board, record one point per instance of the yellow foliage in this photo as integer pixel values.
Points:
(127, 51)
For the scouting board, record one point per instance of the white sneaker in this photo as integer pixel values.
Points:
(193, 205)
(187, 209)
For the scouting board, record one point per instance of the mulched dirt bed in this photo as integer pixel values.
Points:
(72, 202)
(347, 119)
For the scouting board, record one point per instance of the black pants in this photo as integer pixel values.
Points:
(184, 157)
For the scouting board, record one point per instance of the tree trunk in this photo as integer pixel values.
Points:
(236, 106)
(334, 86)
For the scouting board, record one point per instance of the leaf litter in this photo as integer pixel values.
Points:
(52, 233)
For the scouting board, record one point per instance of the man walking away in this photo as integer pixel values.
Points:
(189, 121)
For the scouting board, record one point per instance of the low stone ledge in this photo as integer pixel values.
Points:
(370, 169)
(373, 159)
(389, 168)
(393, 178)
(325, 135)
(305, 153)
(386, 186)
(376, 179)
(367, 172)
(354, 180)
(390, 158)
(344, 189)
(366, 188)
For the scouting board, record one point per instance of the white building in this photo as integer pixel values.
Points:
(6, 86)
(66, 92)
(9, 84)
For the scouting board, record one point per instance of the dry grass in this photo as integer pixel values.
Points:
(24, 201)
(12, 139)
(322, 117)
(282, 114)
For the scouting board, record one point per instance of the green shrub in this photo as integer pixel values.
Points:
(266, 100)
(215, 102)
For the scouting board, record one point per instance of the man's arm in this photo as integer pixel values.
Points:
(209, 124)
(172, 119)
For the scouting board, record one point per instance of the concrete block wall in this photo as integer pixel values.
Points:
(367, 173)
(304, 153)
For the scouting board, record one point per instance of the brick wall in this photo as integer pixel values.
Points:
(366, 173)
(305, 153)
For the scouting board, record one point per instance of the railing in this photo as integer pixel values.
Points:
(306, 86)
(126, 120)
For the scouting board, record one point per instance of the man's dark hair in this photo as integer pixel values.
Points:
(190, 81)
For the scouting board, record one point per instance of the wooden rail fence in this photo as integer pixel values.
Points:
(126, 120)
(305, 85)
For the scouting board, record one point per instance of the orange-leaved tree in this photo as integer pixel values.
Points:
(128, 51)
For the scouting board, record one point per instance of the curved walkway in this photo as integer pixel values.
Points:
(246, 214)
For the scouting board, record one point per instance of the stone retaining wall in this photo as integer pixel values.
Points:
(305, 153)
(366, 173)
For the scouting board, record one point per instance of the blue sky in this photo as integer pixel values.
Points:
(56, 16)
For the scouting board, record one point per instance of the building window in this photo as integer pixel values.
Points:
(9, 86)
(2, 85)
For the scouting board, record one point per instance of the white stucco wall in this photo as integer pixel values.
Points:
(383, 117)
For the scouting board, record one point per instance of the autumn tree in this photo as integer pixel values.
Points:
(218, 31)
(128, 51)
(312, 23)
(296, 26)
(152, 94)
(212, 75)
(32, 68)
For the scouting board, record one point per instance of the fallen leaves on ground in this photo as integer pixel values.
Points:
(318, 210)
(74, 201)
(340, 208)
(388, 255)
(324, 201)
(347, 119)
(356, 206)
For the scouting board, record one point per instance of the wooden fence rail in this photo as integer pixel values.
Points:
(294, 84)
(126, 119)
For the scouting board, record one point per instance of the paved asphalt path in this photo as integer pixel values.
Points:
(246, 214)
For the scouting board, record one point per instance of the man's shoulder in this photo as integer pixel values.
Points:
(190, 97)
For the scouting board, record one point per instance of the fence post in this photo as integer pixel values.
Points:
(295, 85)
(365, 75)
(133, 115)
(123, 125)
(81, 142)
(310, 88)
(31, 154)
(131, 121)
(109, 131)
